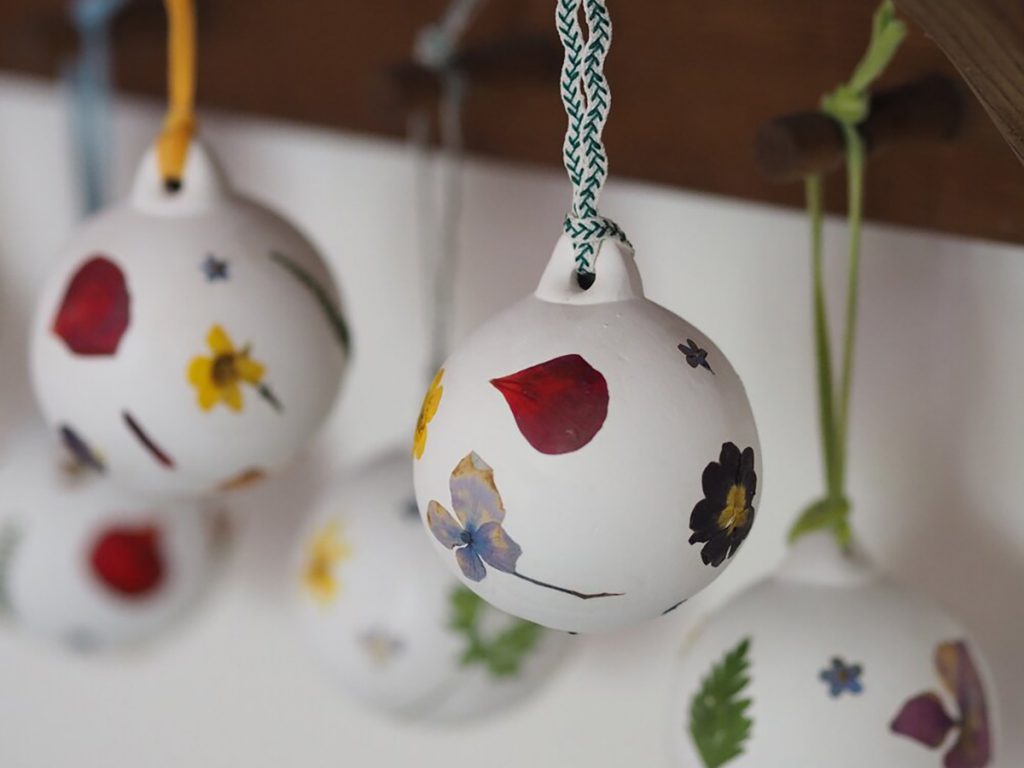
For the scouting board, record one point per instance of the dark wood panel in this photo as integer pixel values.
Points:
(692, 82)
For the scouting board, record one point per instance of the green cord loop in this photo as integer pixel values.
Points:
(587, 99)
(849, 105)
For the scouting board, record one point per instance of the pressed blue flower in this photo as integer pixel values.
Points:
(475, 531)
(476, 535)
(842, 678)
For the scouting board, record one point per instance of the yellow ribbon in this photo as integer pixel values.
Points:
(179, 124)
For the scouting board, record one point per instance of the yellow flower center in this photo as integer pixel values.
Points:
(225, 372)
(734, 514)
(318, 570)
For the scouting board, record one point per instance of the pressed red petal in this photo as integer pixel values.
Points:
(96, 308)
(128, 561)
(559, 405)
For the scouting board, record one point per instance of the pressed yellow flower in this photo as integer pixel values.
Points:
(218, 379)
(326, 549)
(431, 401)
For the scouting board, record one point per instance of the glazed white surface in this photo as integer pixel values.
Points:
(614, 515)
(796, 622)
(391, 583)
(159, 242)
(56, 518)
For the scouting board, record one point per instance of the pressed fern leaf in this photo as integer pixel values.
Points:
(718, 716)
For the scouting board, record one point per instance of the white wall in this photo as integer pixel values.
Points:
(938, 446)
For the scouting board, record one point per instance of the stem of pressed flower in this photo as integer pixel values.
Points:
(268, 394)
(855, 172)
(574, 593)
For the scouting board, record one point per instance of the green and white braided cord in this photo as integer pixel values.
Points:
(587, 100)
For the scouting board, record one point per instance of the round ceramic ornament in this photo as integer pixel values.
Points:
(588, 459)
(85, 564)
(191, 338)
(395, 629)
(830, 664)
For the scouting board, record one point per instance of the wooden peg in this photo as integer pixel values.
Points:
(798, 145)
(516, 58)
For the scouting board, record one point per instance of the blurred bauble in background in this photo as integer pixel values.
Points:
(86, 564)
(830, 664)
(193, 338)
(389, 623)
(588, 459)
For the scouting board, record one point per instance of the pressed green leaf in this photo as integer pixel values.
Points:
(502, 655)
(825, 515)
(9, 536)
(718, 717)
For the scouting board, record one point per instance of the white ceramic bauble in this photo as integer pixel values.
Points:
(192, 339)
(86, 564)
(841, 667)
(396, 630)
(561, 450)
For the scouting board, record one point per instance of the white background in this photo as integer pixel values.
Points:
(937, 454)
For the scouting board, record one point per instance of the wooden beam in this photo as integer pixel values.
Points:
(692, 82)
(985, 41)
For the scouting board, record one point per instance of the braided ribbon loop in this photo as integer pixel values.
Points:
(587, 100)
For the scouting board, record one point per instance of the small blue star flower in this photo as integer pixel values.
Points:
(214, 268)
(842, 678)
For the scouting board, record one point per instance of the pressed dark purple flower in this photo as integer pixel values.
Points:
(925, 720)
(724, 517)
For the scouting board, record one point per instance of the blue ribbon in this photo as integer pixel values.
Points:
(89, 78)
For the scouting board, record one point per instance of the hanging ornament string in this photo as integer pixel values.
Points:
(587, 100)
(179, 124)
(439, 208)
(849, 105)
(435, 44)
(89, 81)
(439, 198)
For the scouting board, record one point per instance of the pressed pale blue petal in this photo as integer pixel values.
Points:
(496, 547)
(475, 498)
(471, 564)
(443, 526)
